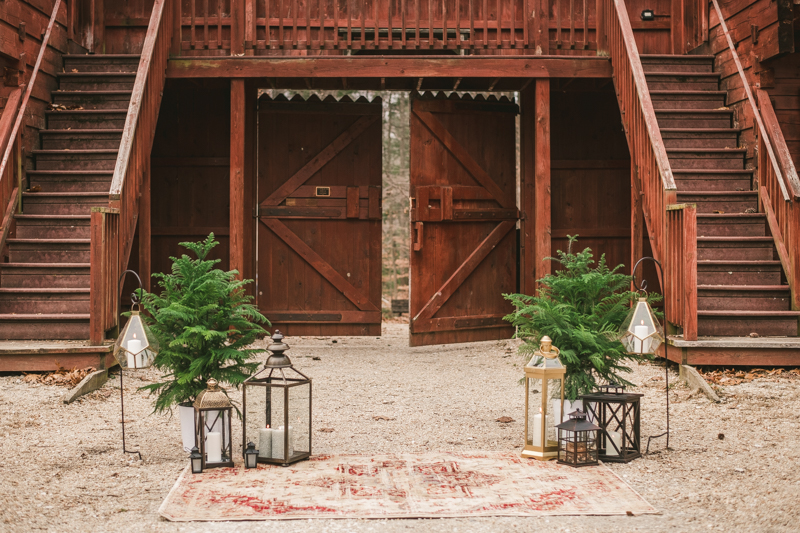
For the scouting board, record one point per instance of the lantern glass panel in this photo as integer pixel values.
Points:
(534, 437)
(299, 417)
(216, 422)
(554, 410)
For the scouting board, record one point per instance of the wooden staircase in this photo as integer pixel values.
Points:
(44, 288)
(741, 287)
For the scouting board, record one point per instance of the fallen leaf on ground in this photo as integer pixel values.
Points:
(379, 417)
(326, 430)
(505, 419)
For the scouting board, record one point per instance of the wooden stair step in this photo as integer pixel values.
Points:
(725, 201)
(115, 99)
(62, 203)
(81, 139)
(71, 180)
(53, 226)
(694, 118)
(731, 224)
(699, 180)
(86, 119)
(677, 63)
(735, 248)
(706, 137)
(49, 250)
(95, 159)
(727, 272)
(44, 326)
(96, 81)
(692, 81)
(743, 297)
(673, 99)
(707, 158)
(743, 323)
(36, 300)
(45, 275)
(84, 63)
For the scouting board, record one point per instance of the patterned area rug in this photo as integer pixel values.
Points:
(435, 485)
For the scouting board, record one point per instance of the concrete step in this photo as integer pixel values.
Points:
(700, 137)
(677, 63)
(44, 326)
(707, 158)
(96, 81)
(721, 202)
(44, 301)
(45, 275)
(86, 119)
(688, 99)
(696, 180)
(71, 180)
(93, 99)
(62, 203)
(682, 81)
(49, 250)
(101, 62)
(735, 249)
(743, 297)
(53, 227)
(81, 139)
(697, 118)
(743, 323)
(731, 225)
(96, 159)
(724, 272)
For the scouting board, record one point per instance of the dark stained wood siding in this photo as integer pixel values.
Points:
(785, 95)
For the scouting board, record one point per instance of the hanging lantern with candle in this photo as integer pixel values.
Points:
(641, 333)
(544, 398)
(212, 415)
(577, 441)
(618, 413)
(276, 409)
(135, 346)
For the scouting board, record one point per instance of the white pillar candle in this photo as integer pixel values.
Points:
(537, 429)
(557, 407)
(265, 443)
(641, 346)
(214, 447)
(277, 443)
(131, 360)
(134, 347)
(616, 438)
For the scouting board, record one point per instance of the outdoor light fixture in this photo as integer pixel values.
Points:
(135, 347)
(618, 413)
(577, 441)
(251, 456)
(642, 334)
(648, 14)
(212, 422)
(196, 461)
(276, 409)
(544, 398)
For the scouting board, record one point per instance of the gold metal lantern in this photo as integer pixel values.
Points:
(544, 400)
(641, 333)
(212, 414)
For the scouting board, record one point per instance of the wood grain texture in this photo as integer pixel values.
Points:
(237, 186)
(541, 209)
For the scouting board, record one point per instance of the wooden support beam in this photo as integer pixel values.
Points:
(541, 209)
(494, 82)
(237, 27)
(457, 83)
(145, 230)
(419, 84)
(637, 220)
(237, 188)
(393, 67)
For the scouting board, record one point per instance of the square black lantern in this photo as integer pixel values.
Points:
(251, 456)
(212, 422)
(618, 413)
(196, 461)
(577, 441)
(276, 409)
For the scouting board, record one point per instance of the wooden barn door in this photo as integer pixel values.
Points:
(319, 213)
(463, 219)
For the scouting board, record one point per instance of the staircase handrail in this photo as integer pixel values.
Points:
(113, 228)
(784, 173)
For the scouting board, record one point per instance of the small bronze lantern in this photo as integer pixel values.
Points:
(577, 441)
(251, 456)
(276, 409)
(641, 333)
(212, 422)
(619, 415)
(544, 398)
(196, 461)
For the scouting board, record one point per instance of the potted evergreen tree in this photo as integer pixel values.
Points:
(204, 322)
(581, 308)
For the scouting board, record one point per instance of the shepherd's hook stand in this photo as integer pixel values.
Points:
(643, 288)
(135, 300)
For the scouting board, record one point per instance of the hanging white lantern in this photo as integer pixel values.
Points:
(641, 333)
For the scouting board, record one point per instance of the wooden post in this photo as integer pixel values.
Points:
(676, 27)
(96, 292)
(689, 256)
(527, 190)
(145, 233)
(248, 222)
(637, 220)
(541, 34)
(237, 162)
(177, 27)
(541, 211)
(237, 27)
(96, 27)
(600, 35)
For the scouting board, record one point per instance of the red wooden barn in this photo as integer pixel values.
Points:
(648, 127)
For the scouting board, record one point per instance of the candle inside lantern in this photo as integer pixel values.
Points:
(214, 447)
(641, 344)
(616, 438)
(265, 442)
(277, 443)
(134, 357)
(537, 428)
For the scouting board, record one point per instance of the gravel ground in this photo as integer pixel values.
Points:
(61, 466)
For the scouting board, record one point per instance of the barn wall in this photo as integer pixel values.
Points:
(590, 175)
(190, 169)
(784, 91)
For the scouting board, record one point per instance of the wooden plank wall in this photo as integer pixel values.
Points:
(125, 25)
(785, 95)
(190, 169)
(758, 36)
(35, 15)
(590, 174)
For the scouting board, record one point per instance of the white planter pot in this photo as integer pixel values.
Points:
(186, 412)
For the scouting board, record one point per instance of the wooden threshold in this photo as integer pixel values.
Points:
(49, 356)
(391, 67)
(735, 351)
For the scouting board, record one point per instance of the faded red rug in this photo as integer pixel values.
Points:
(435, 485)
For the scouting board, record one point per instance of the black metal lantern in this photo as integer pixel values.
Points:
(577, 441)
(212, 422)
(619, 415)
(251, 456)
(196, 461)
(276, 409)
